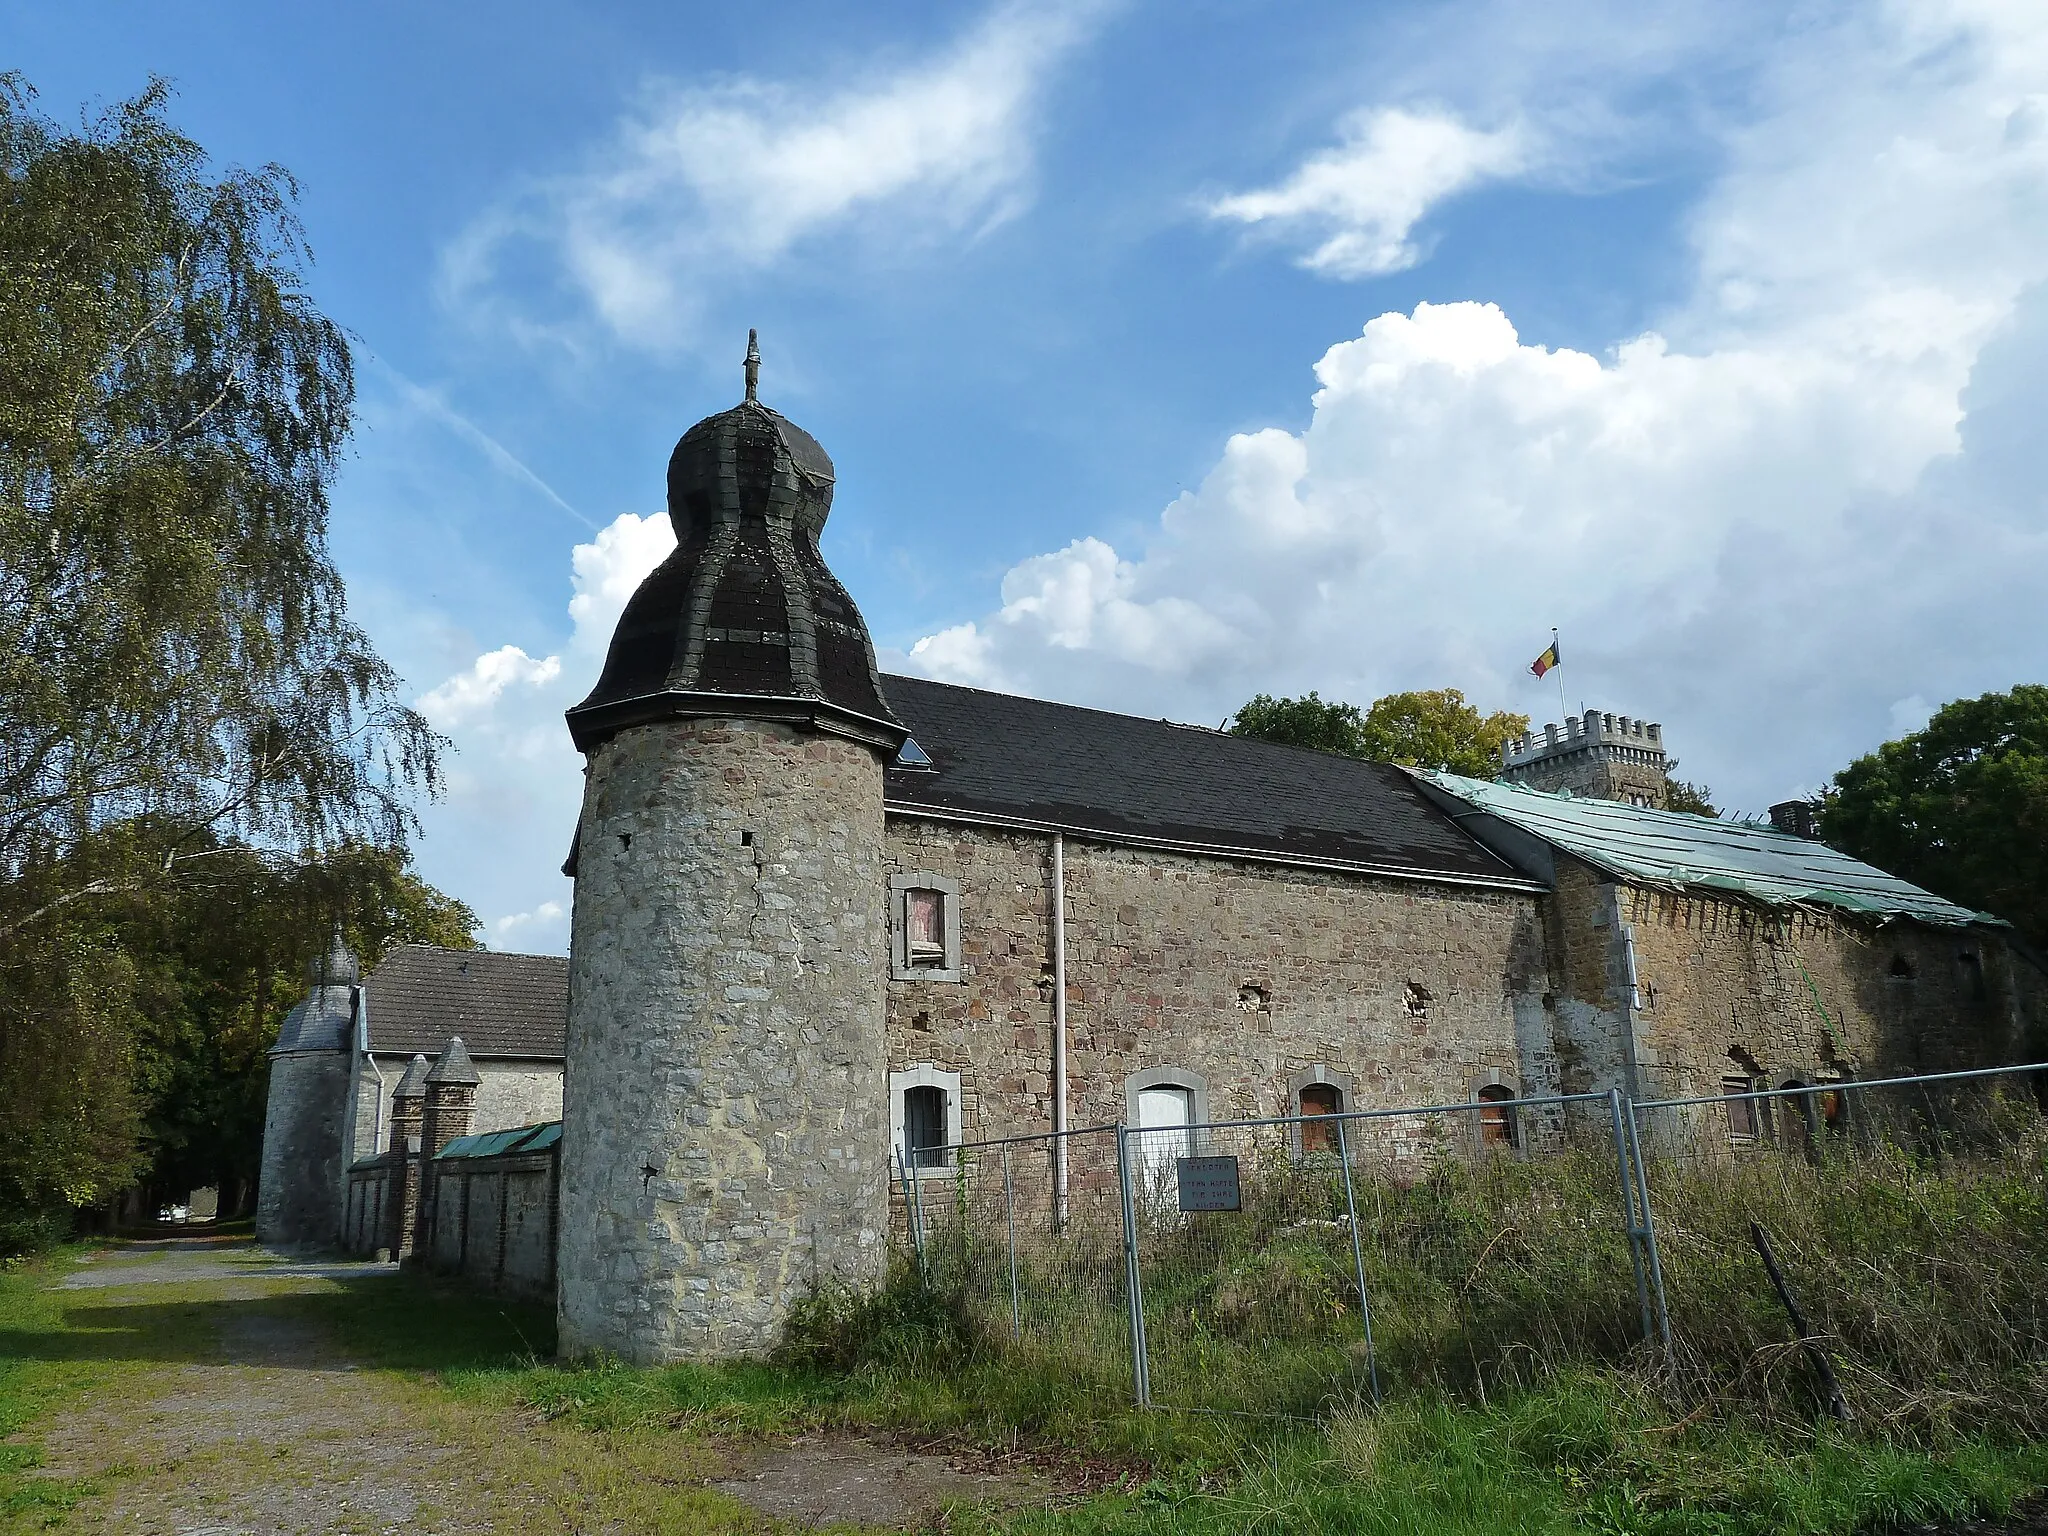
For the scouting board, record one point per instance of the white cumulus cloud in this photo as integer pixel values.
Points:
(1812, 490)
(705, 183)
(468, 694)
(1359, 202)
(515, 780)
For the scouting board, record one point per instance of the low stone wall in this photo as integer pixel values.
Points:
(493, 1219)
(373, 1185)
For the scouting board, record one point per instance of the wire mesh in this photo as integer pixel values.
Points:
(1025, 1264)
(1909, 1218)
(1466, 1246)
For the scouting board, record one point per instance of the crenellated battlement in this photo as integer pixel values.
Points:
(1598, 754)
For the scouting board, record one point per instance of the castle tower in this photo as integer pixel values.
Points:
(1597, 757)
(304, 1171)
(726, 1127)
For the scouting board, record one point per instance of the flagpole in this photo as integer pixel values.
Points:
(1562, 714)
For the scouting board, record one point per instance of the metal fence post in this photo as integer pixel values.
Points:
(1635, 1148)
(1010, 1216)
(1372, 1364)
(1628, 1204)
(1141, 1369)
(909, 1181)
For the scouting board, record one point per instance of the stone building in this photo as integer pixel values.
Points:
(1596, 756)
(826, 919)
(342, 1052)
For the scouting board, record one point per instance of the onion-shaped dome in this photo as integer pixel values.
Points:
(744, 618)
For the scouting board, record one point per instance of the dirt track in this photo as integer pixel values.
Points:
(242, 1418)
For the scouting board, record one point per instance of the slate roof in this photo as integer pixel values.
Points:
(501, 1005)
(1001, 759)
(1673, 850)
(744, 610)
(319, 1023)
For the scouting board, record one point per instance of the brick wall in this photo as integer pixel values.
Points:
(1244, 974)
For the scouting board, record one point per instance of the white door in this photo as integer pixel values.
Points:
(1164, 1115)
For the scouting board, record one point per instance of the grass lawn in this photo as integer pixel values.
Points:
(1596, 1451)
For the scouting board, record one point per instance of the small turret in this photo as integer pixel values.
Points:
(1597, 756)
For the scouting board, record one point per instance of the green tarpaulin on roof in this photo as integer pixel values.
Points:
(1675, 850)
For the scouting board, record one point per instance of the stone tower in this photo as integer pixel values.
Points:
(725, 1110)
(303, 1181)
(1597, 757)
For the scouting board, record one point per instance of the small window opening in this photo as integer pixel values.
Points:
(746, 839)
(921, 1021)
(924, 926)
(1973, 975)
(924, 1126)
(1902, 968)
(1251, 998)
(625, 839)
(1496, 1116)
(1319, 1099)
(1417, 998)
(1741, 1112)
(1831, 1110)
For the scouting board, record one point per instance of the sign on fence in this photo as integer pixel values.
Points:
(1208, 1184)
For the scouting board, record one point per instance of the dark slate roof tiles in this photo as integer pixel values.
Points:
(1005, 758)
(501, 1005)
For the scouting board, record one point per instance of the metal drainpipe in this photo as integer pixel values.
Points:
(1059, 1026)
(363, 1043)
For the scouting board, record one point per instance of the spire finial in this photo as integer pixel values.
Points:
(753, 362)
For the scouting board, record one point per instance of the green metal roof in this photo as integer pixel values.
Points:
(526, 1138)
(1675, 850)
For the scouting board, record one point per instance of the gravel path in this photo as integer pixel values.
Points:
(250, 1422)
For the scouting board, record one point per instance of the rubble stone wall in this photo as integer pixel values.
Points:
(1247, 976)
(726, 1105)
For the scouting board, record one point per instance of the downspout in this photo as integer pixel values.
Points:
(1632, 999)
(1059, 1028)
(363, 1044)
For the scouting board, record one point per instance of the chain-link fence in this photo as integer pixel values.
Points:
(1873, 1248)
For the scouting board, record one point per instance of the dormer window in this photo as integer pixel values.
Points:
(911, 755)
(924, 927)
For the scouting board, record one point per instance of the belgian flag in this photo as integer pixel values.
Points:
(1546, 661)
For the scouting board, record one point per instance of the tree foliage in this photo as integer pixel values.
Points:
(1694, 799)
(217, 969)
(1431, 729)
(1960, 807)
(181, 688)
(175, 648)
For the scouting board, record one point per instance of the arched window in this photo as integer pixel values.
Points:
(924, 1116)
(1496, 1116)
(1319, 1099)
(924, 1126)
(1796, 1114)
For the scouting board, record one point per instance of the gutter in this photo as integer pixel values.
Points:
(951, 816)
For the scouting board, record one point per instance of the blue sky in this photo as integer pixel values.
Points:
(1172, 353)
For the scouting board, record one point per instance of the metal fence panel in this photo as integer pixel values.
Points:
(1908, 1216)
(1044, 1269)
(1458, 1244)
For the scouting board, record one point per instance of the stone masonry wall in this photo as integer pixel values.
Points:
(494, 1222)
(1246, 975)
(1723, 988)
(726, 1111)
(512, 1094)
(299, 1197)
